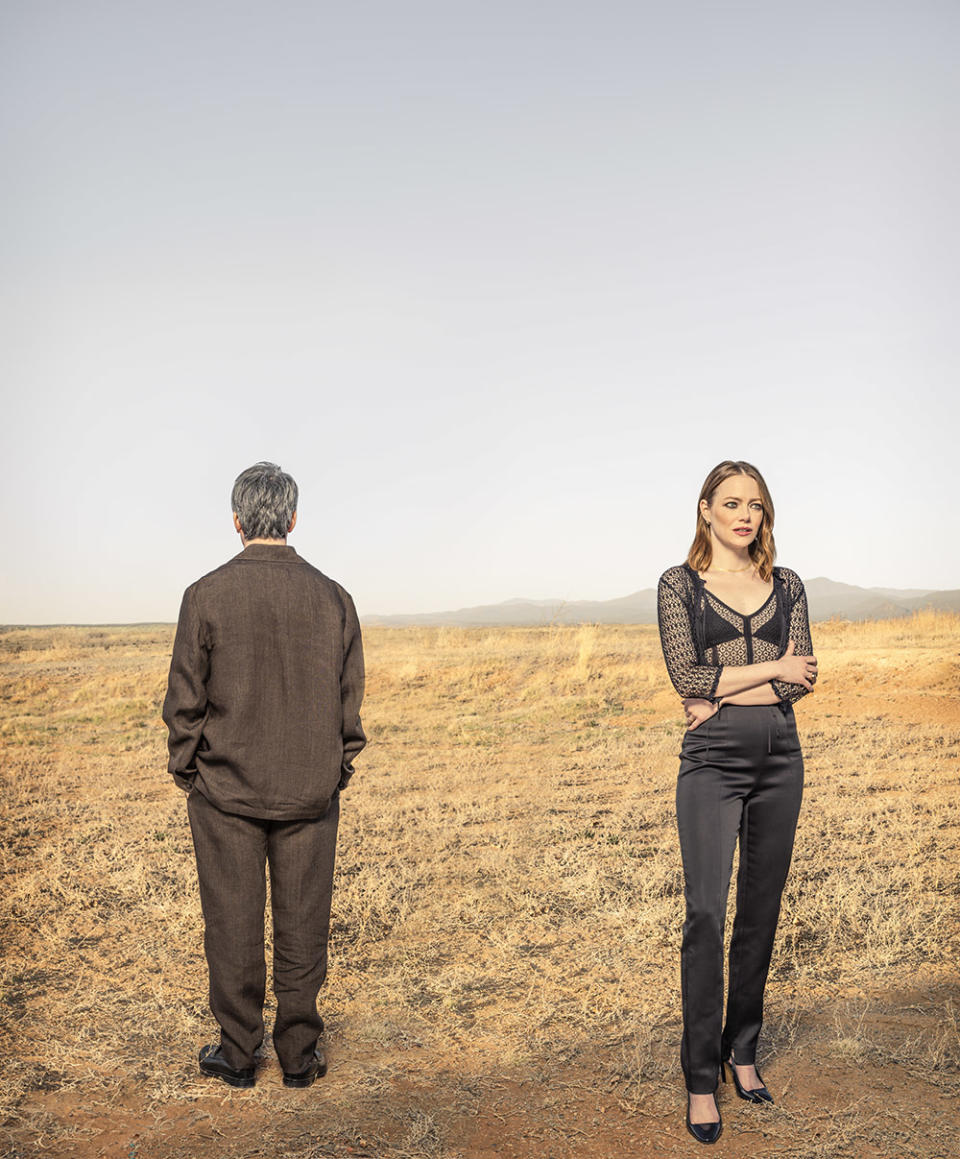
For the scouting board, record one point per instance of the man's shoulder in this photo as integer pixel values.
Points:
(321, 578)
(211, 578)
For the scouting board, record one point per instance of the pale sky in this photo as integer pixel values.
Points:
(497, 282)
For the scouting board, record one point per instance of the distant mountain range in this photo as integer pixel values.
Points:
(828, 600)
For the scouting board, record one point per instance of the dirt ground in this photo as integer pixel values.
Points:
(504, 975)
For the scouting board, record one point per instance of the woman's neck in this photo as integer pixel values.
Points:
(725, 559)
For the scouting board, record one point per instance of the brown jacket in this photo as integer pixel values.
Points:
(266, 681)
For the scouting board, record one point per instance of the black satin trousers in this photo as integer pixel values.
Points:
(741, 777)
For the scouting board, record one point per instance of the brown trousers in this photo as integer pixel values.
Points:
(232, 852)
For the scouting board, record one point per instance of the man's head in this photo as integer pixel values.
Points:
(264, 502)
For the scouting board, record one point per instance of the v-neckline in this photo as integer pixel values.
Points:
(736, 611)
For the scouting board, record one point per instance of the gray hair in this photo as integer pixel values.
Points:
(265, 499)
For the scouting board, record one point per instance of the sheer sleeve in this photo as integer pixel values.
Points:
(798, 632)
(674, 616)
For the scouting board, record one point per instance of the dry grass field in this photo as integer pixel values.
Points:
(504, 970)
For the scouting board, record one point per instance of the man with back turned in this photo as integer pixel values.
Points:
(262, 707)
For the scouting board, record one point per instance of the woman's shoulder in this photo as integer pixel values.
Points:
(679, 577)
(788, 577)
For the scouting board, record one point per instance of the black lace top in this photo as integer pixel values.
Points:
(700, 634)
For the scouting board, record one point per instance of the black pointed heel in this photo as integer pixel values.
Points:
(704, 1132)
(757, 1095)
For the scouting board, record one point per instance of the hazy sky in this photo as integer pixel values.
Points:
(497, 282)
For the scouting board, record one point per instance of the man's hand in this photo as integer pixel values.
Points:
(697, 710)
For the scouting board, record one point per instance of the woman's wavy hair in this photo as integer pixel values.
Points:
(763, 550)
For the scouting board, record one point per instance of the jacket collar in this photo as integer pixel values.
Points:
(268, 551)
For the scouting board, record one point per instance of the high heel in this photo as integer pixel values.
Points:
(757, 1095)
(704, 1132)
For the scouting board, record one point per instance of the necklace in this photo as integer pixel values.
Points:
(731, 570)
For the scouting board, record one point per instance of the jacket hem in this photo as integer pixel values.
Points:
(264, 813)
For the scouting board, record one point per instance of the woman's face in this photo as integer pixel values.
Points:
(735, 512)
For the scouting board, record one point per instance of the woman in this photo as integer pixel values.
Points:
(736, 641)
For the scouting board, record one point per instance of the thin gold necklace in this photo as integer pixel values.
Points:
(730, 570)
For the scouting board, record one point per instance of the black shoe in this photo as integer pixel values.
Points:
(704, 1132)
(757, 1095)
(316, 1070)
(214, 1064)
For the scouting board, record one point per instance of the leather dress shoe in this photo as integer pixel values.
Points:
(704, 1132)
(214, 1064)
(757, 1095)
(304, 1078)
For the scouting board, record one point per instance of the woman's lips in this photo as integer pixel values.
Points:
(743, 531)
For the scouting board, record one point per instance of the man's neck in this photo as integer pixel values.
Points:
(272, 542)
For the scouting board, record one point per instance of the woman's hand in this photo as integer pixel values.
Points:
(797, 669)
(697, 710)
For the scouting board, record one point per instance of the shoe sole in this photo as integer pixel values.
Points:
(243, 1083)
(300, 1081)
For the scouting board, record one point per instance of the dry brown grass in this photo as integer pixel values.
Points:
(505, 943)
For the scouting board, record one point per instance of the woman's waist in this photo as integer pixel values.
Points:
(745, 731)
(782, 706)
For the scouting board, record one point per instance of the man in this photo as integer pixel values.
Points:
(262, 707)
